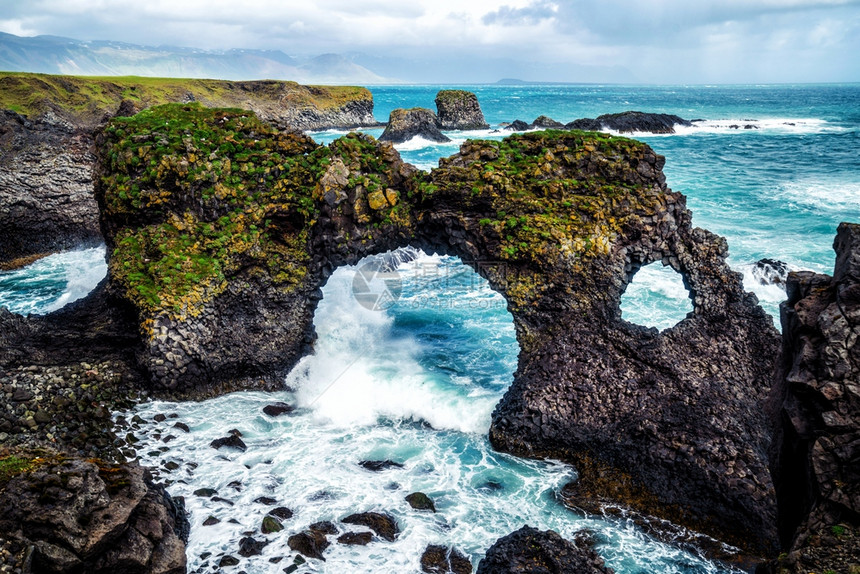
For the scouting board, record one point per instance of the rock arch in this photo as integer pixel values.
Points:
(222, 231)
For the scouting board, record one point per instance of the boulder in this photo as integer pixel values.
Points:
(420, 501)
(546, 123)
(518, 126)
(403, 125)
(382, 524)
(81, 516)
(459, 110)
(630, 122)
(531, 551)
(355, 538)
(310, 543)
(379, 465)
(442, 560)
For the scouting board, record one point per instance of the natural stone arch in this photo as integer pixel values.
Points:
(255, 220)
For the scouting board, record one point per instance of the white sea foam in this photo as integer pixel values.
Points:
(656, 297)
(841, 197)
(52, 282)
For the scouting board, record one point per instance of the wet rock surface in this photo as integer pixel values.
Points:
(78, 516)
(382, 524)
(459, 110)
(403, 125)
(631, 122)
(816, 455)
(442, 560)
(531, 551)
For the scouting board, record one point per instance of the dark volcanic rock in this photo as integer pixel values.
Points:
(81, 517)
(278, 409)
(459, 110)
(816, 452)
(325, 526)
(251, 547)
(531, 551)
(231, 441)
(281, 512)
(379, 465)
(518, 126)
(355, 538)
(403, 125)
(441, 560)
(546, 123)
(271, 524)
(629, 122)
(770, 272)
(311, 543)
(420, 501)
(383, 524)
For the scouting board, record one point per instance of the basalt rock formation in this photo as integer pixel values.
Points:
(816, 455)
(403, 125)
(531, 551)
(631, 122)
(71, 516)
(222, 231)
(46, 158)
(459, 110)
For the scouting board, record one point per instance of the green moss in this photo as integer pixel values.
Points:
(89, 98)
(203, 193)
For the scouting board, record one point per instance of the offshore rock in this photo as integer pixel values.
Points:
(816, 454)
(545, 122)
(82, 517)
(403, 125)
(221, 244)
(770, 271)
(531, 551)
(442, 560)
(631, 122)
(459, 110)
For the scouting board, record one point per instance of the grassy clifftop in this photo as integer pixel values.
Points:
(86, 100)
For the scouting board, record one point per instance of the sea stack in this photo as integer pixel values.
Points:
(459, 110)
(403, 125)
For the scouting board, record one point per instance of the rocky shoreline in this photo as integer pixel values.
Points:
(686, 424)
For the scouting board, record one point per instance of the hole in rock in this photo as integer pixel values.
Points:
(656, 297)
(407, 336)
(52, 282)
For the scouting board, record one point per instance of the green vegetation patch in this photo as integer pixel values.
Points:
(199, 194)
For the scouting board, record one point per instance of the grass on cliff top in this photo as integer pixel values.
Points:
(201, 193)
(89, 98)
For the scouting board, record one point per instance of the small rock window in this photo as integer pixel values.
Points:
(656, 297)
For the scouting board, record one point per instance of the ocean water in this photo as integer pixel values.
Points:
(411, 369)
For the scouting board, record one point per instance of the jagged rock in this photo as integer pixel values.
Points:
(442, 560)
(459, 110)
(231, 441)
(251, 547)
(379, 465)
(518, 126)
(815, 459)
(670, 422)
(770, 272)
(355, 538)
(629, 122)
(546, 123)
(532, 551)
(311, 543)
(281, 512)
(81, 517)
(420, 501)
(278, 409)
(325, 526)
(403, 125)
(382, 524)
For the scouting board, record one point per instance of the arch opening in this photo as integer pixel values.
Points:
(656, 297)
(407, 336)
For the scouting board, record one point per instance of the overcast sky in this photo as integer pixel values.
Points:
(658, 41)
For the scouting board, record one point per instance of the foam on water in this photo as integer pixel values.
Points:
(821, 196)
(53, 281)
(656, 297)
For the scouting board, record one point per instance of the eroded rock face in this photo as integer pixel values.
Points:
(459, 110)
(532, 551)
(46, 199)
(81, 517)
(403, 125)
(222, 244)
(631, 122)
(816, 456)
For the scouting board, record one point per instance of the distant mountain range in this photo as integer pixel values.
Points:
(56, 55)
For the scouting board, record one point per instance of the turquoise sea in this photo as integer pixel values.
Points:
(415, 380)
